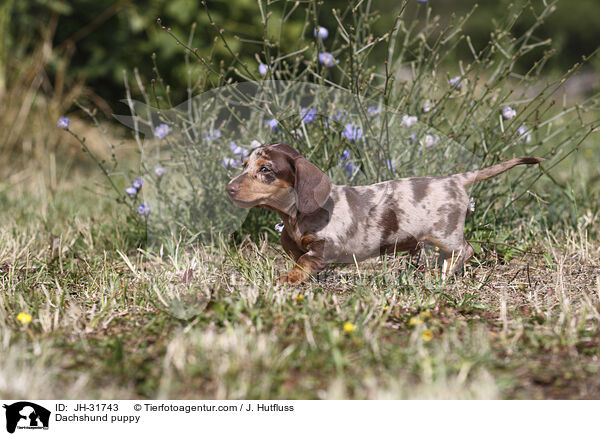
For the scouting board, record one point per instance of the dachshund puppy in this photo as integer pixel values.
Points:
(326, 223)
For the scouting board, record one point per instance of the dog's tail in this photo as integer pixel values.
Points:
(486, 173)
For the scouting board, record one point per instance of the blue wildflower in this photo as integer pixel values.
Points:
(161, 131)
(327, 59)
(272, 124)
(373, 110)
(345, 155)
(63, 123)
(213, 134)
(430, 141)
(390, 165)
(241, 152)
(408, 121)
(427, 105)
(229, 163)
(144, 209)
(159, 171)
(524, 134)
(308, 115)
(138, 183)
(321, 32)
(456, 82)
(352, 132)
(508, 113)
(350, 168)
(263, 69)
(131, 191)
(339, 117)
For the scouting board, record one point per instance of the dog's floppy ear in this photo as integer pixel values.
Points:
(312, 186)
(290, 152)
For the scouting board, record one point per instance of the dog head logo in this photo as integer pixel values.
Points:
(26, 415)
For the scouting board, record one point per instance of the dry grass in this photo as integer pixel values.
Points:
(110, 321)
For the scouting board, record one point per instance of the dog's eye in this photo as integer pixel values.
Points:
(264, 169)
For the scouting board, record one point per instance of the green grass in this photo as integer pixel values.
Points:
(113, 321)
(110, 319)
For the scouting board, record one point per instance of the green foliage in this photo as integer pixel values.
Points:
(105, 38)
(484, 112)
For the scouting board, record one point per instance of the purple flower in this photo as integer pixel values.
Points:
(144, 209)
(422, 1)
(308, 115)
(373, 110)
(138, 183)
(263, 69)
(430, 141)
(159, 171)
(229, 163)
(427, 105)
(345, 155)
(161, 131)
(272, 124)
(524, 134)
(350, 168)
(213, 134)
(456, 82)
(63, 123)
(327, 59)
(408, 121)
(279, 227)
(297, 134)
(390, 165)
(341, 116)
(352, 132)
(238, 151)
(508, 113)
(321, 32)
(131, 191)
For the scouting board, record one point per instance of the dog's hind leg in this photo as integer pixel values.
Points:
(453, 258)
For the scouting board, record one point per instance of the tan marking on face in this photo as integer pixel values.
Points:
(260, 186)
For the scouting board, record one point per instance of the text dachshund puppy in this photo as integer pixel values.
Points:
(326, 223)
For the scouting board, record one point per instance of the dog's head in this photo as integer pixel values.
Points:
(278, 177)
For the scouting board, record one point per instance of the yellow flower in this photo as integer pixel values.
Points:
(414, 321)
(299, 298)
(425, 315)
(349, 327)
(24, 318)
(427, 335)
(386, 308)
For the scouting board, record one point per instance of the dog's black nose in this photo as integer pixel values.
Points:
(232, 188)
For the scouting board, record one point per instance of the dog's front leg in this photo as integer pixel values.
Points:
(290, 246)
(308, 264)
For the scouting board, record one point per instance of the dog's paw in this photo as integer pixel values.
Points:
(282, 279)
(295, 276)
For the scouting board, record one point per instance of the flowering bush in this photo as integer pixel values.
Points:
(358, 121)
